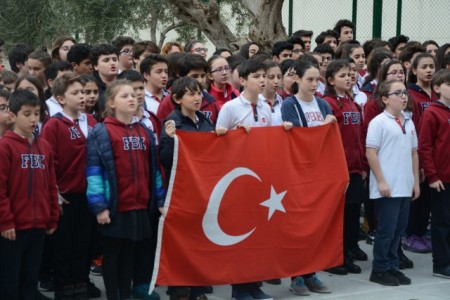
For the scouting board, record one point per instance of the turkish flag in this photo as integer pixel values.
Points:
(248, 207)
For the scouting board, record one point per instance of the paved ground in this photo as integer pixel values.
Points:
(424, 286)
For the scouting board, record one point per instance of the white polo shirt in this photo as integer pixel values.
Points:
(275, 108)
(395, 145)
(152, 102)
(239, 111)
(53, 106)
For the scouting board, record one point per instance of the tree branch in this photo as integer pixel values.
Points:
(167, 29)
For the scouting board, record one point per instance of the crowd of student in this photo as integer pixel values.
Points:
(87, 141)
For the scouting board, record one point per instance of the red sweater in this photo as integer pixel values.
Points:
(28, 192)
(219, 95)
(209, 108)
(131, 147)
(69, 145)
(349, 119)
(421, 101)
(434, 142)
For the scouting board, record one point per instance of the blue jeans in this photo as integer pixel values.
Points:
(392, 220)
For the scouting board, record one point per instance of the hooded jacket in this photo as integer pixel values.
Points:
(28, 192)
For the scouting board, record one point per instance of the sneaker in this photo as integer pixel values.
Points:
(415, 244)
(357, 254)
(96, 266)
(443, 272)
(384, 278)
(93, 291)
(426, 240)
(370, 237)
(351, 267)
(46, 286)
(241, 295)
(339, 270)
(402, 279)
(298, 287)
(404, 261)
(141, 292)
(257, 293)
(315, 285)
(274, 281)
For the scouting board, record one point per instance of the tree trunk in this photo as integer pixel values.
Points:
(267, 26)
(206, 17)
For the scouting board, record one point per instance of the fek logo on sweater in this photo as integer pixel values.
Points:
(33, 161)
(134, 143)
(351, 118)
(74, 133)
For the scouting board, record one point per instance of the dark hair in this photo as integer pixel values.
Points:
(271, 64)
(412, 78)
(343, 23)
(41, 56)
(189, 45)
(121, 40)
(33, 80)
(189, 62)
(248, 67)
(102, 49)
(20, 98)
(78, 53)
(296, 40)
(8, 76)
(429, 42)
(234, 61)
(19, 55)
(397, 40)
(51, 72)
(309, 57)
(320, 39)
(88, 78)
(173, 66)
(446, 61)
(286, 65)
(261, 56)
(2, 42)
(410, 49)
(301, 66)
(183, 85)
(131, 75)
(334, 67)
(324, 48)
(301, 33)
(62, 83)
(440, 56)
(141, 47)
(220, 50)
(4, 94)
(246, 47)
(57, 43)
(384, 69)
(150, 61)
(369, 45)
(346, 46)
(440, 77)
(374, 63)
(385, 87)
(280, 46)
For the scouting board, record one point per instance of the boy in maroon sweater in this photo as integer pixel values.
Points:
(67, 133)
(434, 140)
(28, 199)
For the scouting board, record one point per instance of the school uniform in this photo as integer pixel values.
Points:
(29, 204)
(395, 143)
(275, 108)
(305, 113)
(152, 102)
(421, 100)
(434, 143)
(223, 96)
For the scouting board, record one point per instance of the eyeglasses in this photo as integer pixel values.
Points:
(4, 108)
(297, 51)
(200, 50)
(221, 69)
(127, 51)
(396, 73)
(399, 93)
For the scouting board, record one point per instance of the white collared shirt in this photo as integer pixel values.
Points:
(82, 122)
(275, 108)
(53, 106)
(152, 102)
(239, 111)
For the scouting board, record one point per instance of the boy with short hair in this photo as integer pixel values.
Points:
(9, 79)
(78, 57)
(141, 50)
(124, 45)
(5, 122)
(28, 198)
(52, 72)
(305, 36)
(281, 51)
(67, 132)
(105, 61)
(433, 151)
(345, 29)
(329, 37)
(247, 111)
(155, 72)
(18, 56)
(194, 66)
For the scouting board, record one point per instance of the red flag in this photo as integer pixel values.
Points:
(249, 207)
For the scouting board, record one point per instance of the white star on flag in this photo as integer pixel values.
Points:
(274, 202)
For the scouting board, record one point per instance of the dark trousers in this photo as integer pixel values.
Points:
(117, 267)
(440, 227)
(354, 196)
(369, 209)
(72, 241)
(392, 220)
(419, 212)
(20, 261)
(144, 256)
